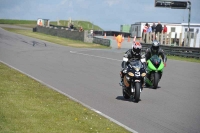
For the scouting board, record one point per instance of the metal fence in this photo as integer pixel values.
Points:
(177, 51)
(166, 39)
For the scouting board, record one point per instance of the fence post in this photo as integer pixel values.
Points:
(189, 39)
(195, 37)
(161, 38)
(175, 39)
(147, 37)
(158, 36)
(185, 39)
(150, 37)
(180, 39)
(165, 38)
(170, 42)
(144, 37)
(199, 43)
(154, 36)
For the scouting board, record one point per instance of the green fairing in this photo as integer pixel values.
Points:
(151, 67)
(160, 68)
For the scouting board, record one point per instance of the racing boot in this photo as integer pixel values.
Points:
(121, 76)
(143, 84)
(146, 80)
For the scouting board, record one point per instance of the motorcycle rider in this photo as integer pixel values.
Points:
(155, 50)
(134, 53)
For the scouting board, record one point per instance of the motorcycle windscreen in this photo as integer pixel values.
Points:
(155, 63)
(136, 64)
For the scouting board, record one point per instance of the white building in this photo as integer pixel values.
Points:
(175, 28)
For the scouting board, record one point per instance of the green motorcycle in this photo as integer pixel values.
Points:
(154, 70)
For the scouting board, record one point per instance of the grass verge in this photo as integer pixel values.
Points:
(183, 58)
(55, 39)
(27, 106)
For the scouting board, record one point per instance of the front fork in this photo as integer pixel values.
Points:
(133, 86)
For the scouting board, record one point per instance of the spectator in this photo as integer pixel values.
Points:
(158, 28)
(71, 26)
(165, 29)
(91, 33)
(144, 32)
(149, 29)
(40, 23)
(153, 27)
(81, 29)
(145, 28)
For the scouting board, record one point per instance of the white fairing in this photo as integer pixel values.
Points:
(143, 60)
(125, 59)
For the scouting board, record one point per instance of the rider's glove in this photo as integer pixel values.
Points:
(124, 70)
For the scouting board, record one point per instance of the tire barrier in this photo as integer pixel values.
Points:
(105, 42)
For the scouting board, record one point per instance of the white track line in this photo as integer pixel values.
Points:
(75, 52)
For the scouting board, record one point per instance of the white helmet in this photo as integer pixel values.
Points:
(136, 47)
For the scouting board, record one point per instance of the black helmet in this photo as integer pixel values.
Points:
(155, 46)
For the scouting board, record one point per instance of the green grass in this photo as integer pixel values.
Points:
(183, 58)
(32, 23)
(27, 106)
(55, 39)
(15, 21)
(78, 23)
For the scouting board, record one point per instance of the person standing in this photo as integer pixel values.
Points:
(149, 29)
(149, 32)
(144, 32)
(159, 28)
(119, 40)
(40, 23)
(165, 29)
(153, 27)
(81, 29)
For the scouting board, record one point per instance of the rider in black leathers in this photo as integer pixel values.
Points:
(155, 50)
(134, 53)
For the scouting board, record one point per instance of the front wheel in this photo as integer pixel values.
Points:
(156, 80)
(137, 91)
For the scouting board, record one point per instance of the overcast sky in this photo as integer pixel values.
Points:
(108, 14)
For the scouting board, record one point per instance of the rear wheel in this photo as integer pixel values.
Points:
(156, 80)
(125, 95)
(137, 91)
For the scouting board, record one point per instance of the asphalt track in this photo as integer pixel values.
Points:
(91, 76)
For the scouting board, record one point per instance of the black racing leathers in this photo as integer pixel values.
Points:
(130, 55)
(149, 53)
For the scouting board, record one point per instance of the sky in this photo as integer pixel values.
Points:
(107, 14)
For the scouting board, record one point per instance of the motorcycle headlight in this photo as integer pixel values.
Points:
(130, 74)
(143, 74)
